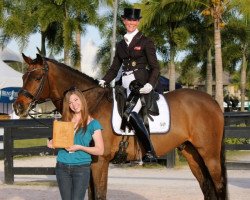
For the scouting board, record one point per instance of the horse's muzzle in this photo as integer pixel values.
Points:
(20, 109)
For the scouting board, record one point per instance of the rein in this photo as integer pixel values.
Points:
(53, 111)
(60, 99)
(35, 97)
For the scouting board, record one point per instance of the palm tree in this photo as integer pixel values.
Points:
(215, 9)
(70, 17)
(74, 16)
(165, 18)
(155, 11)
(245, 44)
(13, 24)
(104, 54)
(200, 46)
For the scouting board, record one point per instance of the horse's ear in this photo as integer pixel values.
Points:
(39, 58)
(28, 60)
(39, 51)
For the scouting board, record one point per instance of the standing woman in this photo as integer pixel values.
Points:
(73, 163)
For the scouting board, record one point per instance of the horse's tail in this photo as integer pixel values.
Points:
(206, 183)
(224, 189)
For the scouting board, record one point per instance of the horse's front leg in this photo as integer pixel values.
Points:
(99, 179)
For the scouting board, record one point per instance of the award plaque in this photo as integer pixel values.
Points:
(63, 134)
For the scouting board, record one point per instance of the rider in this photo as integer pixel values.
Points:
(137, 56)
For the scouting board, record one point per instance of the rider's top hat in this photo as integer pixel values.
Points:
(131, 13)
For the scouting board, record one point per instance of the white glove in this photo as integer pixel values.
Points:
(102, 83)
(146, 88)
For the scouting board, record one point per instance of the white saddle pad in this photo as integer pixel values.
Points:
(159, 124)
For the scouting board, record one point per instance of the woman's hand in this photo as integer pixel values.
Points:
(50, 143)
(74, 148)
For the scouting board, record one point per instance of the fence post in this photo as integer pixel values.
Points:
(8, 156)
(171, 159)
(1, 142)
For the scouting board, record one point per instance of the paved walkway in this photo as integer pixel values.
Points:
(125, 183)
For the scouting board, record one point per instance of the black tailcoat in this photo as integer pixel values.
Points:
(139, 56)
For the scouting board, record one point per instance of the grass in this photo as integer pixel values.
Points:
(237, 155)
(27, 143)
(30, 143)
(37, 183)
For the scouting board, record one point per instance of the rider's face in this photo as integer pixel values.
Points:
(131, 24)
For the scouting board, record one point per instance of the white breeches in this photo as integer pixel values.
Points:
(126, 80)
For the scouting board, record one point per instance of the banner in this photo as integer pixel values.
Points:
(9, 94)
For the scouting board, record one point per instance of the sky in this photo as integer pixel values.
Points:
(35, 41)
(92, 35)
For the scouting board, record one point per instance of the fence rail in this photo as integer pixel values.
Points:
(31, 129)
(237, 125)
(20, 130)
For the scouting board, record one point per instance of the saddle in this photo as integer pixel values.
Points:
(126, 104)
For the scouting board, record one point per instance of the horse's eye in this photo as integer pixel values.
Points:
(38, 78)
(24, 76)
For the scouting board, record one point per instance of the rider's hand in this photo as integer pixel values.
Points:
(146, 88)
(102, 83)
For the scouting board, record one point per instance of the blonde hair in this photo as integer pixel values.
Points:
(68, 114)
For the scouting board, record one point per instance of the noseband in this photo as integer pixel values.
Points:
(34, 98)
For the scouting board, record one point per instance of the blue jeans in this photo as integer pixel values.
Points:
(73, 180)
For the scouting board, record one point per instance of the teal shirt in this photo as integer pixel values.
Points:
(80, 138)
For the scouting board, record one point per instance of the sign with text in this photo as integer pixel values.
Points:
(9, 94)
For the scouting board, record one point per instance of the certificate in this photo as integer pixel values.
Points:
(63, 134)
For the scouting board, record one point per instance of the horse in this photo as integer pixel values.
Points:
(196, 125)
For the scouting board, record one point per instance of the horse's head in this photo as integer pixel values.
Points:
(34, 81)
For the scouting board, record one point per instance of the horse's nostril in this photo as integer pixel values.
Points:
(18, 107)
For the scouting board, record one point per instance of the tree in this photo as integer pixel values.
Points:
(74, 16)
(245, 44)
(200, 46)
(13, 24)
(165, 18)
(60, 22)
(104, 53)
(215, 9)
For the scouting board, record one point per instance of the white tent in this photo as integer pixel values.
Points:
(8, 55)
(9, 77)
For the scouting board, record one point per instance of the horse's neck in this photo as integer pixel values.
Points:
(95, 97)
(62, 80)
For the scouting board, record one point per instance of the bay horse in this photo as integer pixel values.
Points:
(196, 129)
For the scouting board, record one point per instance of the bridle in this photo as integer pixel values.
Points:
(35, 97)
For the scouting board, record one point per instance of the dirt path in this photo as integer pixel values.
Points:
(125, 183)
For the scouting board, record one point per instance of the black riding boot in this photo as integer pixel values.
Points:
(143, 136)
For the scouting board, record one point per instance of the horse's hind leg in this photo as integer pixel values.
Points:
(199, 170)
(216, 167)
